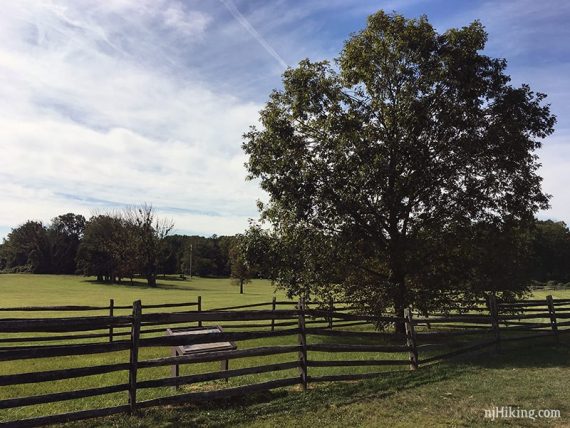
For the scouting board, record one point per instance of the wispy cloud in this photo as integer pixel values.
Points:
(254, 33)
(190, 23)
(114, 102)
(84, 120)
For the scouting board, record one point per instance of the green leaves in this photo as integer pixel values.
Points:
(414, 134)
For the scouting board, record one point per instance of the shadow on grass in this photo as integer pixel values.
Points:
(248, 408)
(535, 353)
(142, 284)
(539, 353)
(228, 412)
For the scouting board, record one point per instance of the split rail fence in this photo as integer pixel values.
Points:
(316, 341)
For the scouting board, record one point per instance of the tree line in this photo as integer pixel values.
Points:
(114, 247)
(110, 247)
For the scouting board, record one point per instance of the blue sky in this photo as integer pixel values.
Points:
(117, 102)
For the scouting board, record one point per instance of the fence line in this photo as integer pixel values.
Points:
(505, 322)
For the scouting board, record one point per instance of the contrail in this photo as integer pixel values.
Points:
(245, 24)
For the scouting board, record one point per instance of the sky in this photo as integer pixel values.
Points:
(111, 103)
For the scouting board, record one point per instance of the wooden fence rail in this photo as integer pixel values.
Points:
(504, 322)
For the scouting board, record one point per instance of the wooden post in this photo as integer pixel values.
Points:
(411, 338)
(175, 368)
(111, 311)
(200, 309)
(302, 341)
(552, 313)
(494, 313)
(273, 307)
(135, 335)
(331, 310)
(224, 364)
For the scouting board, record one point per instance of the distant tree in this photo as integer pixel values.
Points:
(149, 233)
(187, 258)
(241, 271)
(209, 256)
(169, 258)
(3, 257)
(225, 243)
(104, 245)
(301, 260)
(27, 248)
(418, 134)
(551, 252)
(111, 248)
(64, 234)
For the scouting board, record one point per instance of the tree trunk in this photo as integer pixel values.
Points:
(400, 302)
(241, 286)
(151, 280)
(398, 276)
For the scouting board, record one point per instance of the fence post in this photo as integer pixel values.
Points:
(133, 363)
(111, 312)
(552, 313)
(200, 309)
(273, 307)
(494, 313)
(302, 341)
(411, 338)
(175, 368)
(331, 310)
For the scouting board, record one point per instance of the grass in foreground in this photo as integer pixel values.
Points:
(534, 376)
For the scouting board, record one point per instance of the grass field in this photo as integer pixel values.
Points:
(529, 375)
(453, 394)
(48, 290)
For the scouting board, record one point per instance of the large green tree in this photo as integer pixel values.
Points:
(65, 233)
(106, 250)
(413, 135)
(27, 248)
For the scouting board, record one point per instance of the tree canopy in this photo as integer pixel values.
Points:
(122, 244)
(394, 157)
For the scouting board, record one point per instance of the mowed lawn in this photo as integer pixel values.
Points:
(47, 290)
(529, 375)
(453, 394)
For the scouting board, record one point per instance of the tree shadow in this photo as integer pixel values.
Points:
(251, 407)
(141, 284)
(271, 403)
(534, 353)
(266, 404)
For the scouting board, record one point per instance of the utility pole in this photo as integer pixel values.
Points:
(190, 267)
